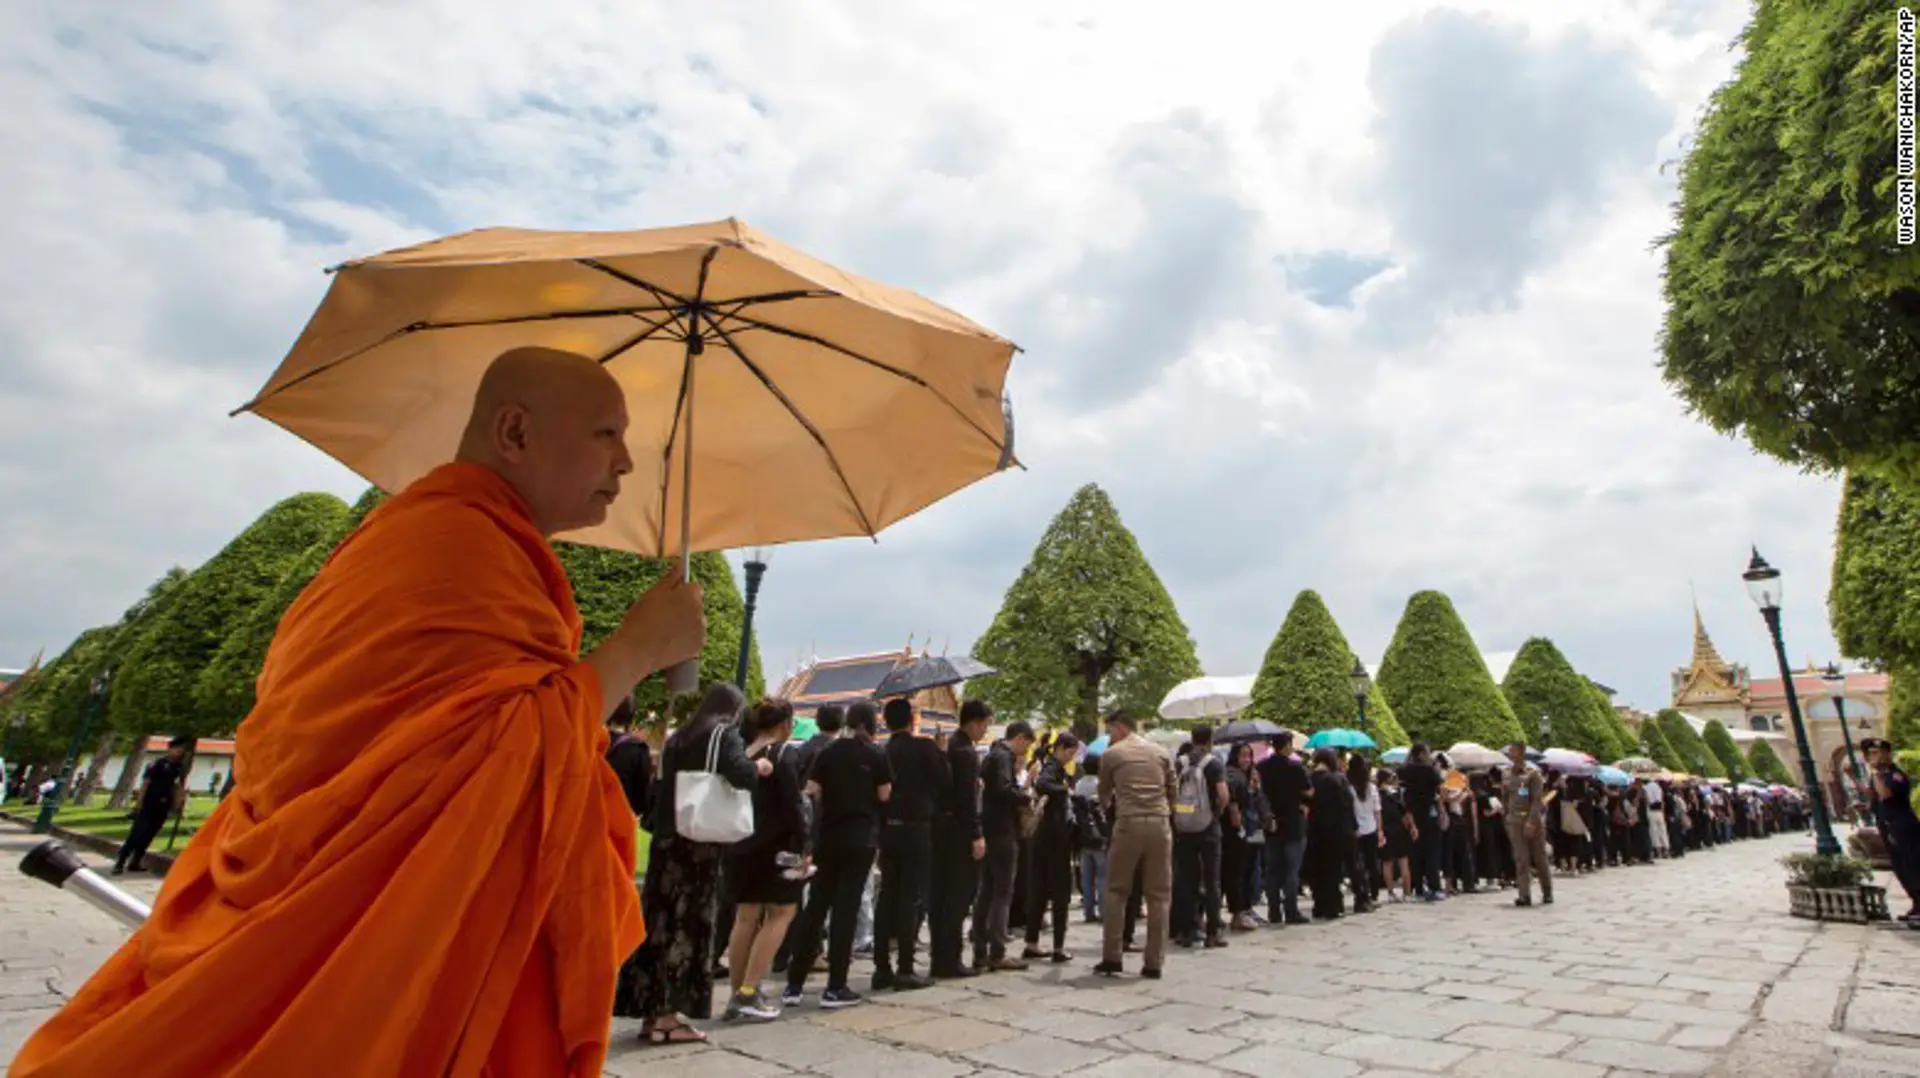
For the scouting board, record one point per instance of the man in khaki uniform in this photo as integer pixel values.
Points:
(1137, 788)
(1523, 793)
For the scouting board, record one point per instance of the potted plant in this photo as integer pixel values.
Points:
(1833, 887)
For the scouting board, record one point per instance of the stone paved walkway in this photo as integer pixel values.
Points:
(1686, 967)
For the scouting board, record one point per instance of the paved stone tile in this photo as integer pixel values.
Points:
(1893, 1011)
(1680, 1013)
(1498, 1064)
(705, 1063)
(1537, 1042)
(1581, 1004)
(1703, 1036)
(1181, 1043)
(794, 1044)
(1497, 1014)
(1308, 1035)
(1088, 1029)
(1653, 1058)
(950, 1034)
(1417, 1025)
(1137, 1066)
(1387, 1051)
(1547, 982)
(1401, 982)
(1627, 1029)
(1184, 1016)
(861, 1019)
(1036, 1055)
(1265, 1060)
(879, 1062)
(1711, 985)
(1486, 993)
(1617, 974)
(1650, 995)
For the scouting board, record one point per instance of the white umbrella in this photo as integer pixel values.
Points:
(1467, 756)
(1568, 761)
(1207, 698)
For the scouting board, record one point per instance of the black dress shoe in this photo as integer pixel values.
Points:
(883, 980)
(1151, 973)
(911, 982)
(1523, 901)
(1109, 969)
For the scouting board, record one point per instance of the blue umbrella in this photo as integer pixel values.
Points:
(1394, 756)
(1612, 776)
(1097, 746)
(1339, 738)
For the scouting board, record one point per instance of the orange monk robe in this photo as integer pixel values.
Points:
(425, 866)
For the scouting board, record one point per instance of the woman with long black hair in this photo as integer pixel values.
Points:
(670, 978)
(1330, 829)
(1235, 852)
(769, 866)
(1364, 874)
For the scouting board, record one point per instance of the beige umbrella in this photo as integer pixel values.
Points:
(818, 404)
(771, 397)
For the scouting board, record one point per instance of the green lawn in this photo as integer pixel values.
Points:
(95, 819)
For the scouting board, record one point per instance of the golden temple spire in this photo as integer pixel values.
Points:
(1704, 653)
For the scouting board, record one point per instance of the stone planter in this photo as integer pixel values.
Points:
(1855, 905)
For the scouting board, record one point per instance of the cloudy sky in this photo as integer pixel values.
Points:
(1357, 297)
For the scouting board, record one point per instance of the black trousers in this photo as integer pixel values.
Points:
(906, 864)
(1051, 886)
(836, 888)
(1325, 867)
(1236, 858)
(1136, 906)
(955, 881)
(994, 901)
(1196, 884)
(146, 827)
(1363, 869)
(1429, 854)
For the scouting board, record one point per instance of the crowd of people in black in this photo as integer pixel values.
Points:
(1192, 846)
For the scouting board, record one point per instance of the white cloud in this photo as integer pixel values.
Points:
(1122, 191)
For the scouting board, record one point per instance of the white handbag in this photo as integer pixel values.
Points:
(708, 808)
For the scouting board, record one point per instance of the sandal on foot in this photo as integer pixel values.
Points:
(678, 1033)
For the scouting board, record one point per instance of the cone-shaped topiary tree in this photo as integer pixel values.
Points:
(1692, 751)
(155, 688)
(1720, 743)
(1437, 682)
(1658, 749)
(1767, 764)
(224, 689)
(1553, 703)
(605, 584)
(1306, 679)
(1876, 573)
(1621, 740)
(1087, 625)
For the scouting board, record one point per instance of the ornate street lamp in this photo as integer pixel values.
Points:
(1763, 584)
(1833, 677)
(96, 701)
(1361, 683)
(756, 567)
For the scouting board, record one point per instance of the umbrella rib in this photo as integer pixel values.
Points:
(636, 340)
(909, 376)
(799, 417)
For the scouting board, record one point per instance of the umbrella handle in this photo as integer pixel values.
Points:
(685, 677)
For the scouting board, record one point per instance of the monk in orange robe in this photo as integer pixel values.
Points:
(425, 866)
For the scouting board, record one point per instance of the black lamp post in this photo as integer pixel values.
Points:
(1763, 584)
(1360, 682)
(1832, 676)
(756, 567)
(96, 701)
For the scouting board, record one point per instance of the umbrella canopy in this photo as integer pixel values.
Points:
(1638, 765)
(804, 727)
(1247, 730)
(1207, 698)
(1095, 747)
(1568, 762)
(1395, 756)
(1471, 757)
(930, 673)
(1339, 738)
(771, 397)
(1612, 776)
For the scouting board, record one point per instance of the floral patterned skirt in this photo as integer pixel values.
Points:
(672, 972)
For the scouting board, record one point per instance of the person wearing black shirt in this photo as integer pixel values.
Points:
(827, 721)
(919, 772)
(766, 893)
(1892, 792)
(1053, 851)
(1001, 795)
(1284, 780)
(159, 790)
(958, 844)
(1196, 854)
(850, 781)
(1420, 787)
(1330, 835)
(630, 758)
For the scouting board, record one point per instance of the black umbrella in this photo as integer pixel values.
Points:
(923, 674)
(1247, 730)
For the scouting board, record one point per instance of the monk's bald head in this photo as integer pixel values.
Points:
(553, 425)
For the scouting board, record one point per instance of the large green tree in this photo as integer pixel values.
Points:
(1439, 686)
(1767, 764)
(224, 687)
(1693, 753)
(1087, 625)
(1658, 748)
(1306, 680)
(155, 688)
(1793, 304)
(1903, 708)
(605, 584)
(1874, 599)
(1553, 703)
(1620, 740)
(1720, 743)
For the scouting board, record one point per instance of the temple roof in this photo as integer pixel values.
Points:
(1704, 653)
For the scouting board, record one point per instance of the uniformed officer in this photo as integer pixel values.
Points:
(1523, 793)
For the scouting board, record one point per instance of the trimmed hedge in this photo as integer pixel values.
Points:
(1305, 681)
(1437, 682)
(1720, 743)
